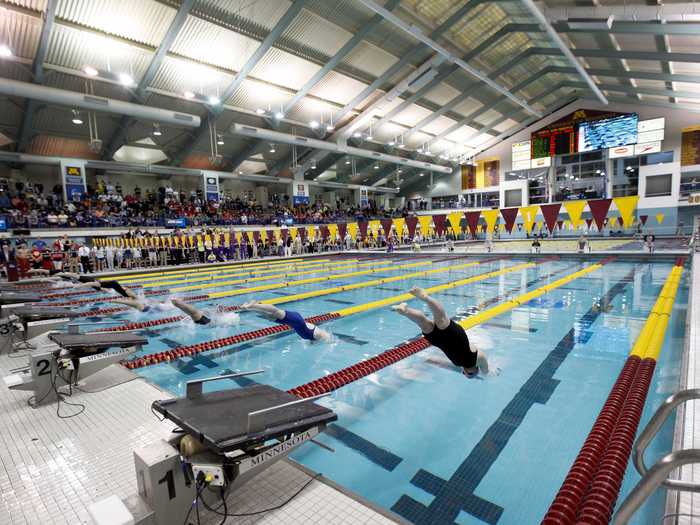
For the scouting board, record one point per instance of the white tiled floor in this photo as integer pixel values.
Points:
(51, 469)
(689, 504)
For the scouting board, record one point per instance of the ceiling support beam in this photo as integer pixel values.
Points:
(263, 48)
(558, 42)
(416, 33)
(634, 28)
(139, 94)
(30, 106)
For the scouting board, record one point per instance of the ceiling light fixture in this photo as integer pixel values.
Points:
(279, 115)
(76, 118)
(329, 127)
(260, 111)
(220, 140)
(214, 101)
(313, 124)
(347, 161)
(126, 79)
(272, 148)
(357, 134)
(188, 95)
(5, 51)
(90, 71)
(156, 130)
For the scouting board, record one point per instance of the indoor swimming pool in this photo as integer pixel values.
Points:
(417, 437)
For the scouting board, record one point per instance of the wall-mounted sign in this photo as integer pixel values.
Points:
(520, 155)
(542, 162)
(300, 192)
(649, 147)
(651, 125)
(621, 151)
(694, 198)
(73, 173)
(211, 185)
(650, 136)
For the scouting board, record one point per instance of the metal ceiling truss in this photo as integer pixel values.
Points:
(139, 94)
(30, 106)
(216, 111)
(635, 28)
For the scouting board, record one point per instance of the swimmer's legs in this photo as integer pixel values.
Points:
(482, 362)
(114, 285)
(266, 309)
(440, 317)
(133, 303)
(426, 325)
(195, 313)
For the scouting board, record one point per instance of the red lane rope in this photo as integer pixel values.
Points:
(189, 350)
(359, 370)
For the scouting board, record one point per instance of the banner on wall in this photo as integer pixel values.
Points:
(211, 185)
(300, 193)
(73, 174)
(483, 174)
(649, 147)
(690, 146)
(175, 223)
(620, 152)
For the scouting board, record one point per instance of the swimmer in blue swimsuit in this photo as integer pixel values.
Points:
(294, 320)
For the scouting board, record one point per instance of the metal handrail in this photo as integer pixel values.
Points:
(652, 428)
(653, 479)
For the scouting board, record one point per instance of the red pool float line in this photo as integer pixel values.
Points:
(357, 371)
(564, 508)
(598, 504)
(103, 311)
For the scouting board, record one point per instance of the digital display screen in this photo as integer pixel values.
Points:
(608, 133)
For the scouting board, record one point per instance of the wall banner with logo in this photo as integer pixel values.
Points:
(211, 185)
(73, 175)
(300, 192)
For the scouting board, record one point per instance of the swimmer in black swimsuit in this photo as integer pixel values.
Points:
(84, 281)
(447, 335)
(195, 314)
(136, 304)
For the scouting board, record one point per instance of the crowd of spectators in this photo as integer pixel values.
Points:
(106, 205)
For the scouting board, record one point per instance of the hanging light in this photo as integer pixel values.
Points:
(90, 71)
(329, 127)
(279, 115)
(313, 165)
(422, 174)
(313, 124)
(220, 140)
(260, 111)
(392, 142)
(126, 79)
(376, 166)
(76, 118)
(214, 101)
(272, 148)
(5, 51)
(347, 161)
(188, 95)
(156, 130)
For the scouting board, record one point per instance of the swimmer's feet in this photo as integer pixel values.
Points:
(400, 308)
(418, 293)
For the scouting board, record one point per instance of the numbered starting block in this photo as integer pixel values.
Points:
(227, 438)
(18, 331)
(62, 359)
(11, 300)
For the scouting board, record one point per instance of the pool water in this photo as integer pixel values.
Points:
(419, 438)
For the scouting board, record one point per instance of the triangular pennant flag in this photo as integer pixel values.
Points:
(363, 229)
(455, 219)
(386, 226)
(574, 209)
(342, 230)
(550, 212)
(284, 233)
(589, 222)
(332, 231)
(324, 231)
(311, 233)
(302, 232)
(626, 206)
(599, 210)
(660, 217)
(424, 221)
(352, 228)
(256, 236)
(529, 214)
(374, 227)
(263, 235)
(490, 216)
(439, 221)
(411, 222)
(472, 218)
(398, 224)
(643, 219)
(560, 224)
(509, 215)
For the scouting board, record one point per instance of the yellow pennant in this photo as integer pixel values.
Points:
(238, 237)
(575, 209)
(352, 230)
(455, 219)
(227, 238)
(374, 226)
(660, 217)
(626, 206)
(311, 232)
(529, 213)
(424, 221)
(490, 217)
(333, 231)
(399, 224)
(263, 235)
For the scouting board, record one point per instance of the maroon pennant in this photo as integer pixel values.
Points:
(386, 226)
(256, 236)
(325, 232)
(560, 224)
(509, 215)
(599, 210)
(411, 222)
(439, 221)
(285, 232)
(342, 229)
(550, 212)
(472, 220)
(643, 219)
(270, 236)
(589, 222)
(363, 228)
